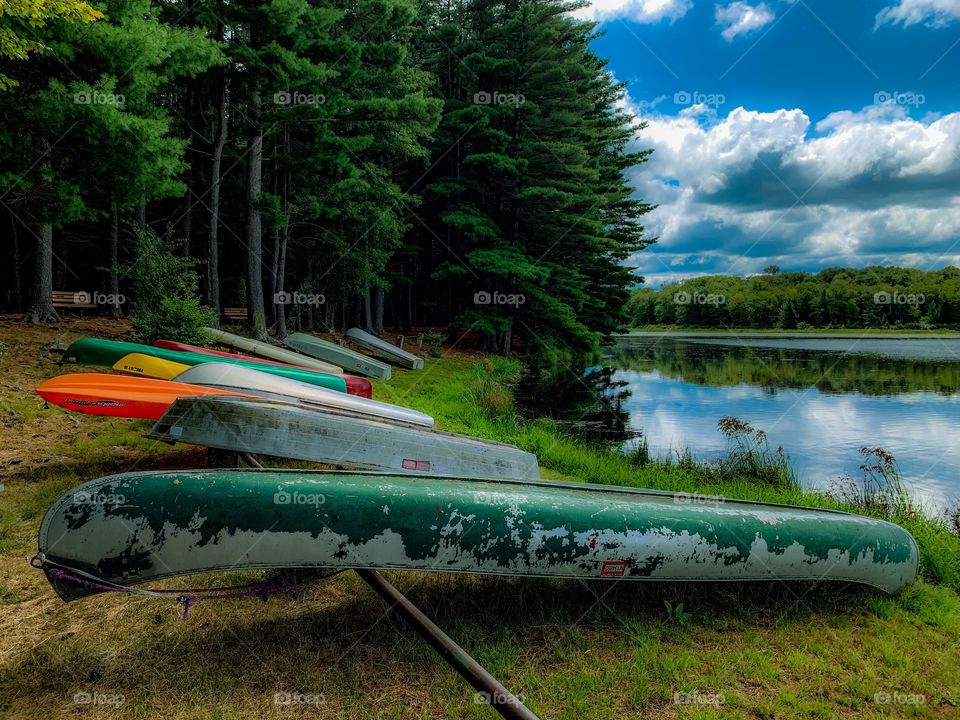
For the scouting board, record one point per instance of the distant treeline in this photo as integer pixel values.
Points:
(399, 163)
(773, 368)
(871, 297)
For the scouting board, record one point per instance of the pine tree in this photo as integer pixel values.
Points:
(529, 198)
(102, 137)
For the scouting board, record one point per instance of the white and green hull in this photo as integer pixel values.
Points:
(345, 357)
(139, 527)
(391, 353)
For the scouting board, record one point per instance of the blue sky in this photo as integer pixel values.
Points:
(805, 133)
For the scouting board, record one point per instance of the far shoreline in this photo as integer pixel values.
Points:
(752, 333)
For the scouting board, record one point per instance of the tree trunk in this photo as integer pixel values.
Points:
(187, 208)
(213, 249)
(378, 302)
(275, 297)
(41, 307)
(140, 215)
(255, 307)
(281, 260)
(409, 309)
(311, 278)
(114, 274)
(17, 284)
(367, 309)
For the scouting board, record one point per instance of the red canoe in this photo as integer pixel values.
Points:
(358, 386)
(119, 395)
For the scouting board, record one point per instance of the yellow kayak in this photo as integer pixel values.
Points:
(149, 366)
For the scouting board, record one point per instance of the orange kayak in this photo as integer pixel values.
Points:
(118, 395)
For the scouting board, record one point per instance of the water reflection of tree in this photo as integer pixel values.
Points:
(589, 407)
(828, 371)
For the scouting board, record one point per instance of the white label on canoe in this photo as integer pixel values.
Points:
(613, 568)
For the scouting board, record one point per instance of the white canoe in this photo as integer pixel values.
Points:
(384, 349)
(267, 427)
(271, 351)
(350, 359)
(253, 382)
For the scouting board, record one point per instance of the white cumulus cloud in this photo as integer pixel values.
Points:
(739, 18)
(736, 193)
(935, 13)
(641, 11)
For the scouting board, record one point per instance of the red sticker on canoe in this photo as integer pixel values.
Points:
(422, 465)
(613, 568)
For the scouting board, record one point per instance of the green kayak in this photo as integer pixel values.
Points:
(94, 351)
(146, 526)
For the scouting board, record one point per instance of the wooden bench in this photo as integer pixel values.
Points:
(72, 300)
(235, 314)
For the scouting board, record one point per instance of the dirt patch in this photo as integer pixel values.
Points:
(29, 355)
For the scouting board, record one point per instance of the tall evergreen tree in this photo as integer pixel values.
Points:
(529, 196)
(98, 138)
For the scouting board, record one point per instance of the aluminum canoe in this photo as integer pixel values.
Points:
(147, 526)
(349, 359)
(268, 427)
(94, 351)
(272, 352)
(392, 353)
(254, 382)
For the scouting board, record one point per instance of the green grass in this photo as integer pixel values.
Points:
(569, 649)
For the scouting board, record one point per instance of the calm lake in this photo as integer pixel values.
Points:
(822, 399)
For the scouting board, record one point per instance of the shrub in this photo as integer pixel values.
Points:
(881, 490)
(952, 514)
(166, 302)
(749, 457)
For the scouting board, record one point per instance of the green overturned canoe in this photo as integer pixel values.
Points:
(137, 527)
(94, 351)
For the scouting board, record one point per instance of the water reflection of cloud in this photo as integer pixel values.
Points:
(821, 432)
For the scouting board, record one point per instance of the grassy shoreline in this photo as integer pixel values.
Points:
(572, 650)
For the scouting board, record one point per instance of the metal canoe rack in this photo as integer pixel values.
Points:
(497, 695)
